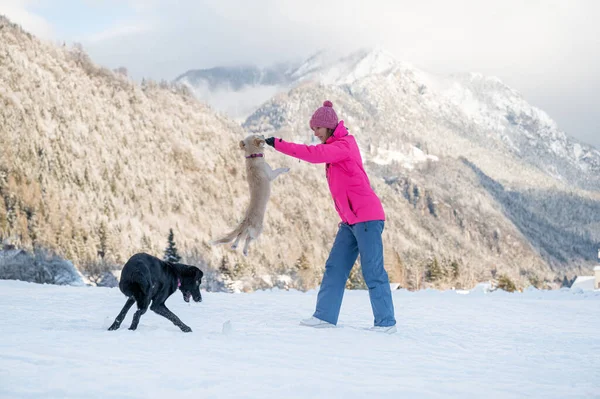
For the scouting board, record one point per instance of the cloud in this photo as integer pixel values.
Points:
(118, 30)
(443, 36)
(548, 50)
(16, 11)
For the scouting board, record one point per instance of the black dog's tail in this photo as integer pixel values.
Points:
(140, 289)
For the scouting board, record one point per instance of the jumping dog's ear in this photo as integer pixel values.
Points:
(242, 145)
(258, 142)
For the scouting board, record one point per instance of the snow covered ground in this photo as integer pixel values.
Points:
(54, 344)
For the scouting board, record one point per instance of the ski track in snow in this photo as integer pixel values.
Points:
(54, 344)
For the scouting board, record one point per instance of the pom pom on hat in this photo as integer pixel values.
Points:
(324, 116)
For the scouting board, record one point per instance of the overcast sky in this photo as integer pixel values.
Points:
(549, 50)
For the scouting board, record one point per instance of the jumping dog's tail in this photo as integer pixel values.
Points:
(231, 236)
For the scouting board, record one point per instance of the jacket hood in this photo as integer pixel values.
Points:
(339, 132)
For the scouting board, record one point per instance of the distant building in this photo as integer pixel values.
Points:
(586, 283)
(589, 283)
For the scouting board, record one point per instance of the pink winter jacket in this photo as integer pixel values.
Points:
(355, 200)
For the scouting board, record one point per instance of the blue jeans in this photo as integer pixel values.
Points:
(351, 240)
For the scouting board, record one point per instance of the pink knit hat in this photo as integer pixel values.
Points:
(324, 117)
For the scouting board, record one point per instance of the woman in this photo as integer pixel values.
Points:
(362, 221)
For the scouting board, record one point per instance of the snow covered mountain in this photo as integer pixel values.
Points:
(237, 91)
(459, 114)
(328, 68)
(91, 162)
(236, 78)
(240, 90)
(406, 105)
(406, 121)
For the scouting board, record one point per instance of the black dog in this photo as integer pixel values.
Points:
(146, 278)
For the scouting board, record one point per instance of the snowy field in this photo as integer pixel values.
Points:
(54, 344)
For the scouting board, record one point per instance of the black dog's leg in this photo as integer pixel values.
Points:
(122, 314)
(162, 310)
(142, 307)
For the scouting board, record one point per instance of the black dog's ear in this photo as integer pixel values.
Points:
(199, 274)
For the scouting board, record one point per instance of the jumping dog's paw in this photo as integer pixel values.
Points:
(185, 329)
(234, 246)
(114, 326)
(285, 170)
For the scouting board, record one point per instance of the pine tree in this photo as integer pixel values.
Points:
(416, 195)
(171, 254)
(455, 269)
(3, 219)
(302, 262)
(226, 275)
(506, 284)
(305, 274)
(146, 243)
(103, 238)
(434, 271)
(431, 205)
(32, 226)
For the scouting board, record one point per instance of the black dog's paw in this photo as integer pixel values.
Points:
(114, 326)
(186, 329)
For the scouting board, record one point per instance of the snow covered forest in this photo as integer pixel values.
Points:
(95, 167)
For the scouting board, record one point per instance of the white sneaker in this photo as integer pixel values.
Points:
(316, 323)
(385, 330)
